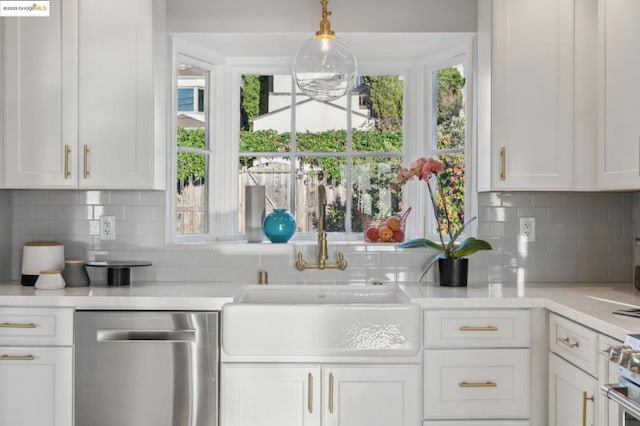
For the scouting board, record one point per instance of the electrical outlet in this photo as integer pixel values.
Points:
(527, 228)
(107, 227)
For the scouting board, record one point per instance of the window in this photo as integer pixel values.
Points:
(242, 122)
(192, 149)
(355, 152)
(448, 135)
(448, 141)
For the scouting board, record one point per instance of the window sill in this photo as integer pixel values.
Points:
(267, 247)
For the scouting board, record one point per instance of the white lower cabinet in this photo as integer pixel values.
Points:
(36, 366)
(477, 367)
(574, 369)
(36, 386)
(315, 394)
(571, 394)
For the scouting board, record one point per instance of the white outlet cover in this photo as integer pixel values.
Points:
(527, 229)
(107, 227)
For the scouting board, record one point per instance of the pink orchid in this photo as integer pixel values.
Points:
(431, 166)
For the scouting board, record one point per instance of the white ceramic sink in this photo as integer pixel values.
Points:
(321, 294)
(321, 320)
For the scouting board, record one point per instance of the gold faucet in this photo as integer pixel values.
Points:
(341, 264)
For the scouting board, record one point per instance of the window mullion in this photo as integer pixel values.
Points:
(292, 151)
(349, 161)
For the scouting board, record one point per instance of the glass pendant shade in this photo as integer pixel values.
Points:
(324, 68)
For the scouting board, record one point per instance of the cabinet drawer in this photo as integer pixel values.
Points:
(477, 328)
(36, 326)
(477, 384)
(574, 342)
(476, 423)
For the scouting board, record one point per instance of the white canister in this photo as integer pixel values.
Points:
(50, 280)
(40, 256)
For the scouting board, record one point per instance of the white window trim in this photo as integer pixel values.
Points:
(422, 223)
(224, 139)
(193, 55)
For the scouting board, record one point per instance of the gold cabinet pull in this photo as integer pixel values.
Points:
(67, 154)
(567, 342)
(85, 168)
(6, 357)
(310, 393)
(17, 325)
(478, 384)
(481, 328)
(503, 163)
(584, 407)
(331, 393)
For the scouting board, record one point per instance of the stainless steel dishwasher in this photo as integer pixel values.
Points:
(146, 368)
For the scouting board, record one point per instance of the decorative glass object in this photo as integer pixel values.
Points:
(279, 226)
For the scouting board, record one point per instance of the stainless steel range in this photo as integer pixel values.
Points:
(626, 393)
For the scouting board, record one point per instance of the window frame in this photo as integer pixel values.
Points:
(269, 67)
(224, 139)
(188, 53)
(461, 54)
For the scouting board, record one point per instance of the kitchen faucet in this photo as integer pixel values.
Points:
(341, 264)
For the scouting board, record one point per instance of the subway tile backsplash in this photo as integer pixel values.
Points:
(580, 237)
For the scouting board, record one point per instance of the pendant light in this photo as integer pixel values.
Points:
(324, 68)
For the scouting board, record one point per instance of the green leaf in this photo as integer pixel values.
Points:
(421, 242)
(470, 246)
(464, 225)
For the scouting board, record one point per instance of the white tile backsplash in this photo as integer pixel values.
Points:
(580, 237)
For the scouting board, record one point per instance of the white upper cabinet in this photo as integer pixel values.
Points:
(619, 138)
(85, 96)
(122, 92)
(40, 98)
(534, 137)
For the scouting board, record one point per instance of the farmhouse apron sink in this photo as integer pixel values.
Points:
(329, 320)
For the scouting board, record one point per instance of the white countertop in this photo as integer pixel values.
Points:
(589, 304)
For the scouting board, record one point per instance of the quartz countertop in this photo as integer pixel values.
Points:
(591, 304)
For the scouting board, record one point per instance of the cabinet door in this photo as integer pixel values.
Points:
(36, 386)
(270, 395)
(116, 83)
(40, 98)
(619, 162)
(532, 80)
(570, 391)
(378, 395)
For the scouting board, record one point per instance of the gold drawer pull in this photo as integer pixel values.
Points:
(478, 384)
(567, 342)
(67, 153)
(483, 328)
(584, 407)
(6, 357)
(85, 168)
(17, 325)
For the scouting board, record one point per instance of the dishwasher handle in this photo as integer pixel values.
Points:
(168, 336)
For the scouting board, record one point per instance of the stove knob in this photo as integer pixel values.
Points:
(613, 352)
(634, 362)
(624, 356)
